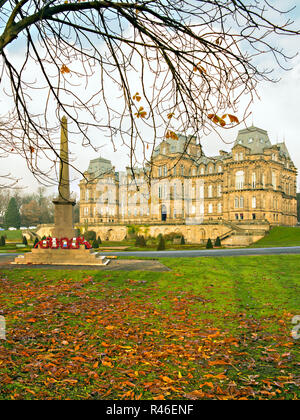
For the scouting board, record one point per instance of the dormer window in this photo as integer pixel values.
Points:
(261, 140)
(210, 170)
(250, 140)
(202, 171)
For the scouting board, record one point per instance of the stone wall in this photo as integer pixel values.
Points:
(230, 234)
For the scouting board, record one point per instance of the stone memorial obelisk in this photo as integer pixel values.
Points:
(63, 230)
(63, 205)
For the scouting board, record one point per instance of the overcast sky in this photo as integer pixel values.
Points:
(277, 111)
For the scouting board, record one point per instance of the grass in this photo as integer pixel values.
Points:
(279, 236)
(210, 328)
(12, 235)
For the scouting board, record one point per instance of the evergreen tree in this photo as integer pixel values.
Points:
(99, 240)
(95, 244)
(35, 241)
(209, 244)
(182, 241)
(12, 216)
(218, 241)
(161, 245)
(2, 241)
(25, 240)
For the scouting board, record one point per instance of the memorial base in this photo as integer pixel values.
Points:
(61, 256)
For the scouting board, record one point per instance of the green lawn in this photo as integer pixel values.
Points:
(210, 328)
(12, 235)
(280, 236)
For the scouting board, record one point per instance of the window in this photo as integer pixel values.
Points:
(159, 191)
(263, 180)
(241, 156)
(219, 190)
(86, 195)
(236, 202)
(254, 202)
(182, 170)
(159, 171)
(261, 140)
(210, 208)
(219, 208)
(193, 209)
(241, 202)
(194, 172)
(274, 183)
(201, 191)
(253, 216)
(254, 180)
(174, 171)
(210, 170)
(165, 171)
(250, 140)
(209, 191)
(202, 171)
(219, 168)
(239, 180)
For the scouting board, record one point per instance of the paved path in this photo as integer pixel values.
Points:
(197, 253)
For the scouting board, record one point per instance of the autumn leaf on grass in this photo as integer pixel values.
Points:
(137, 97)
(32, 320)
(218, 362)
(167, 379)
(216, 119)
(232, 118)
(107, 363)
(219, 376)
(141, 113)
(64, 69)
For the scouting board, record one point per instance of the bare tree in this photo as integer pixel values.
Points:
(135, 70)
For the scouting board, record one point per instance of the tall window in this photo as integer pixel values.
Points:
(219, 190)
(165, 171)
(202, 171)
(236, 202)
(263, 180)
(274, 182)
(254, 202)
(241, 202)
(239, 180)
(209, 191)
(219, 207)
(210, 208)
(182, 170)
(253, 180)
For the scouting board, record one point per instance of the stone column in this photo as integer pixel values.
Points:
(63, 205)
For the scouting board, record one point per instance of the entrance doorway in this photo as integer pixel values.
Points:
(163, 213)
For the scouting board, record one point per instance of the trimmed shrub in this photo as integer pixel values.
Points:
(161, 244)
(95, 244)
(2, 241)
(35, 241)
(182, 241)
(90, 235)
(209, 244)
(25, 242)
(99, 240)
(218, 241)
(140, 241)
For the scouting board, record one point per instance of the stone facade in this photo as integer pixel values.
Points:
(253, 184)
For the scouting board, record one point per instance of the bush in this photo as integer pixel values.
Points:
(218, 241)
(2, 241)
(25, 242)
(99, 240)
(182, 242)
(161, 245)
(95, 244)
(35, 241)
(209, 244)
(140, 241)
(90, 235)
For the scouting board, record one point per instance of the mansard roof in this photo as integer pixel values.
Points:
(99, 166)
(253, 138)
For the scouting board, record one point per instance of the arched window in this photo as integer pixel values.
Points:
(239, 180)
(202, 170)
